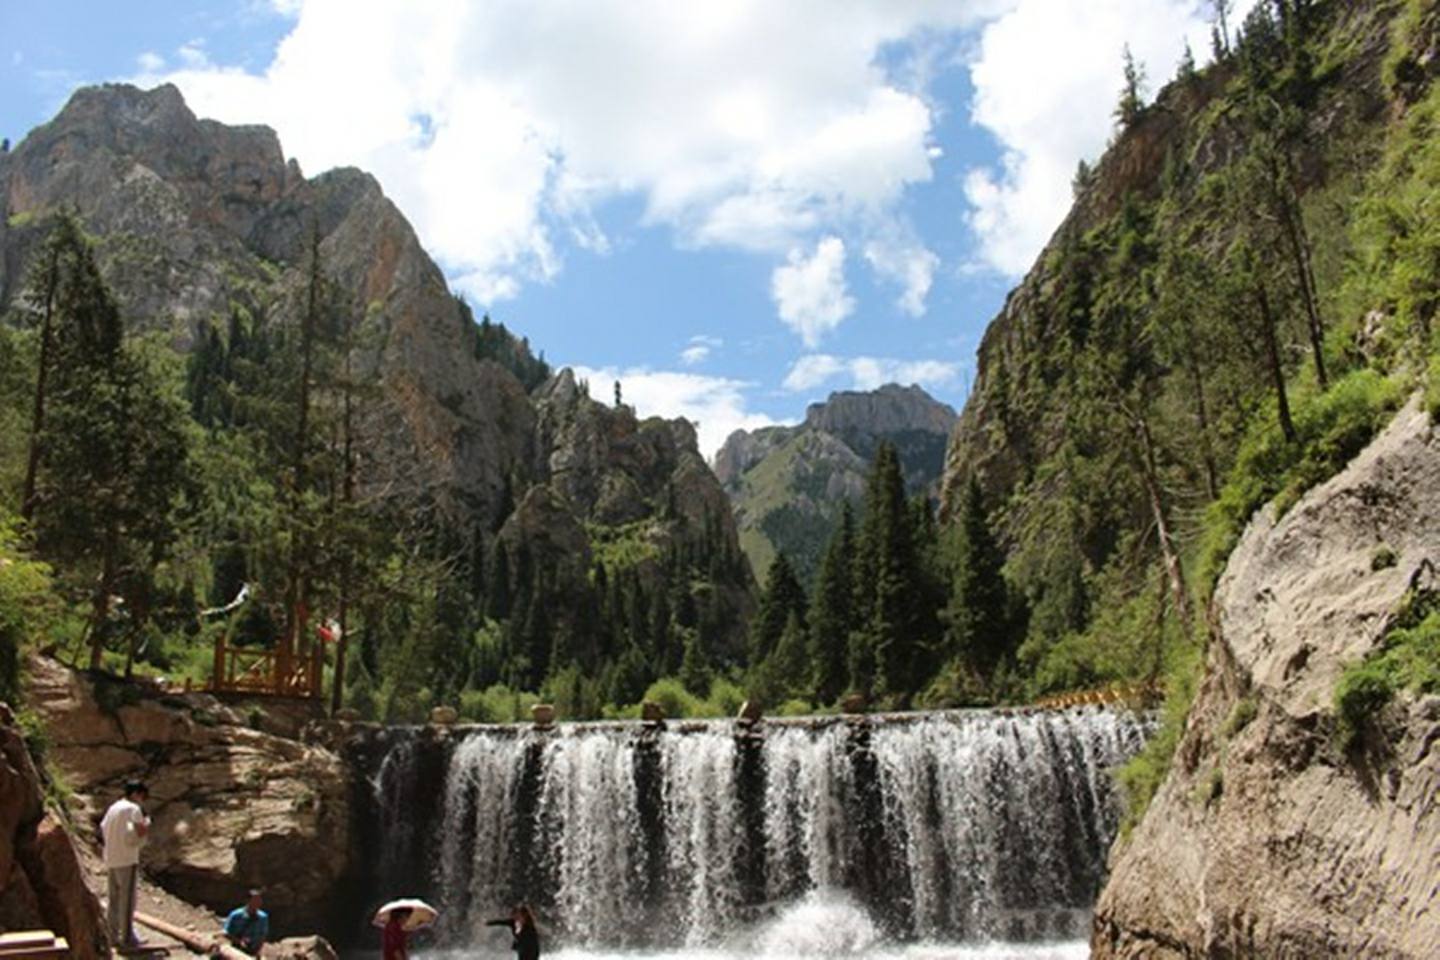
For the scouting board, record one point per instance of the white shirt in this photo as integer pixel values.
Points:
(119, 831)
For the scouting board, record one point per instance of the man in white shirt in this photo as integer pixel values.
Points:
(123, 831)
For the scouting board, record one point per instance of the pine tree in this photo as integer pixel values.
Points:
(832, 617)
(695, 666)
(783, 596)
(1132, 94)
(110, 454)
(975, 617)
(889, 631)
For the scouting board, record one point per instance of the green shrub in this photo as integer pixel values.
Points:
(1331, 427)
(1407, 659)
(1141, 776)
(1240, 717)
(674, 699)
(725, 698)
(1383, 558)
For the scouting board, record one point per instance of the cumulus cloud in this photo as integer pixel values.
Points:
(150, 62)
(866, 373)
(910, 265)
(500, 127)
(717, 406)
(1047, 76)
(809, 292)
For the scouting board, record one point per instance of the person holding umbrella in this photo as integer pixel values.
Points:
(397, 920)
(525, 938)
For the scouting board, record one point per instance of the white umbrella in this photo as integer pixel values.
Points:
(421, 913)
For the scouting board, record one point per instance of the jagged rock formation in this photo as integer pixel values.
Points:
(42, 885)
(193, 218)
(1270, 840)
(786, 483)
(233, 807)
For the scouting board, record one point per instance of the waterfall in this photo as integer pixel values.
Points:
(943, 827)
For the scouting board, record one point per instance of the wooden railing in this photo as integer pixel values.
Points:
(1139, 694)
(268, 672)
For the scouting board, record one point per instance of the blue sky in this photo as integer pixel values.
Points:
(733, 207)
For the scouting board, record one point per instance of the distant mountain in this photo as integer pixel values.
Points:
(787, 483)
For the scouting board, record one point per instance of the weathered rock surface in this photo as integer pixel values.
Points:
(1270, 840)
(233, 807)
(787, 483)
(42, 885)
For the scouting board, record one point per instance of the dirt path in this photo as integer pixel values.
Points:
(154, 901)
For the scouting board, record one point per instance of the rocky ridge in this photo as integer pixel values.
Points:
(786, 483)
(1268, 838)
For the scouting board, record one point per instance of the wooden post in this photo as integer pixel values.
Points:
(217, 681)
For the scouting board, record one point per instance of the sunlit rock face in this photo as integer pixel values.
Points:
(1268, 838)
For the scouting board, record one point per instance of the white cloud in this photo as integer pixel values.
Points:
(699, 349)
(499, 127)
(1047, 78)
(717, 406)
(150, 62)
(866, 373)
(192, 55)
(809, 292)
(909, 264)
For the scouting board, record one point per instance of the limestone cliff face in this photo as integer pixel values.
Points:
(787, 483)
(1267, 839)
(42, 886)
(233, 807)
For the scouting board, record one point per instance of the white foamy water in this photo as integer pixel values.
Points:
(974, 835)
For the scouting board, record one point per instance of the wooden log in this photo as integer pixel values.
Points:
(213, 945)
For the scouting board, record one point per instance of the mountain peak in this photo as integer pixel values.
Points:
(891, 408)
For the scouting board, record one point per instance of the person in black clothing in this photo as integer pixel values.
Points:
(525, 939)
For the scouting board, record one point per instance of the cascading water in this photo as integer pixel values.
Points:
(968, 826)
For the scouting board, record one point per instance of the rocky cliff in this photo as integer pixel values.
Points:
(42, 886)
(194, 221)
(1270, 839)
(787, 483)
(234, 807)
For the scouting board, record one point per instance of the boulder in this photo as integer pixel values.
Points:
(300, 948)
(1268, 838)
(43, 887)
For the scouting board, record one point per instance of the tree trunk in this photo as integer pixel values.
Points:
(1173, 568)
(1272, 356)
(1202, 416)
(1300, 251)
(37, 416)
(100, 603)
(294, 589)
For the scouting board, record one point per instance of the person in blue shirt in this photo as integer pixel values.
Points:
(248, 927)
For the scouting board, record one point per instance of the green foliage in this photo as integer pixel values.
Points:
(1245, 710)
(1141, 776)
(1408, 658)
(494, 342)
(1332, 427)
(29, 607)
(1382, 558)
